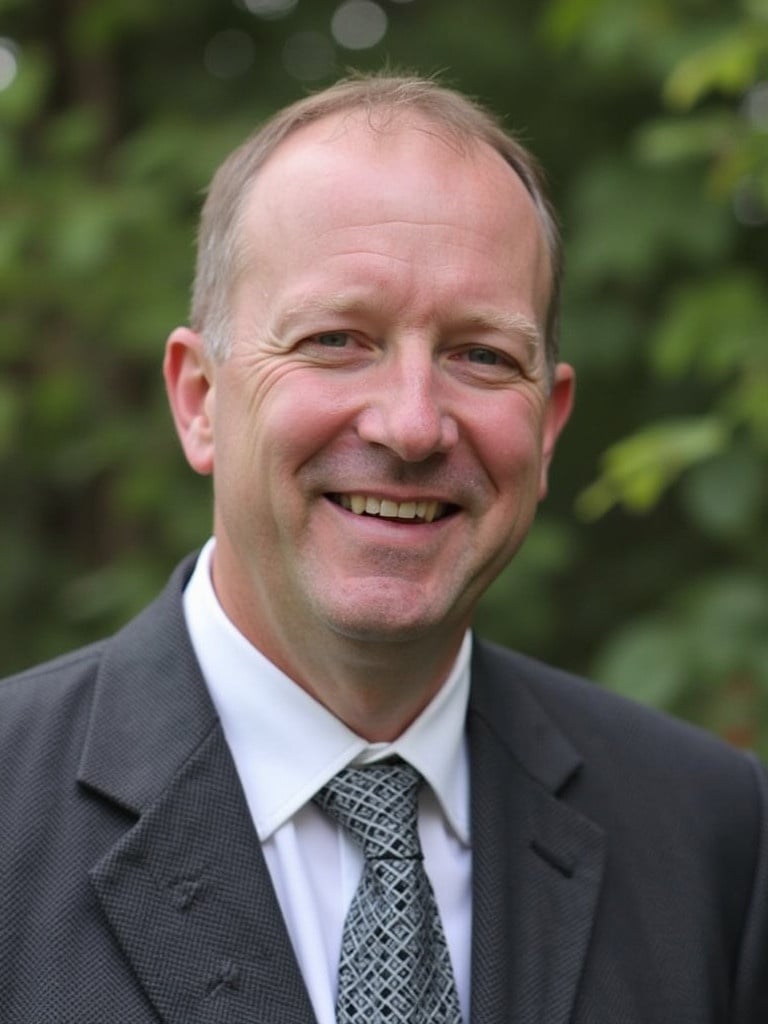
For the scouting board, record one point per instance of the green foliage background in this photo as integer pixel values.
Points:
(648, 568)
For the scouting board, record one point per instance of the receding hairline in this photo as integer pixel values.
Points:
(333, 127)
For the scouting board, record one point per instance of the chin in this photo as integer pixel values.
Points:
(383, 623)
(390, 609)
(379, 634)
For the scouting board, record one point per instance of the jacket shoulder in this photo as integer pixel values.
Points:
(588, 712)
(646, 763)
(48, 676)
(46, 695)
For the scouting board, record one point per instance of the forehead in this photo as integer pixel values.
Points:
(381, 160)
(355, 142)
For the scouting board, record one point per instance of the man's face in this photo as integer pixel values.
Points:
(380, 432)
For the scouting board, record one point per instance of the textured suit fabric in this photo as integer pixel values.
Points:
(620, 858)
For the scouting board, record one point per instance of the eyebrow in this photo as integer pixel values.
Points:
(504, 323)
(312, 305)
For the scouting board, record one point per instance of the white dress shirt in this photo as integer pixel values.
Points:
(286, 746)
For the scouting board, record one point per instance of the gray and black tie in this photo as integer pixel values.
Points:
(394, 966)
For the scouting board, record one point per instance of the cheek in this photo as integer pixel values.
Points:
(509, 444)
(305, 414)
(270, 456)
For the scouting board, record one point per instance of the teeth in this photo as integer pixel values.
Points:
(366, 504)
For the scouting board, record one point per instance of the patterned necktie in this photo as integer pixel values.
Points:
(394, 966)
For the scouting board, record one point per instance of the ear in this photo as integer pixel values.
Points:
(189, 382)
(559, 405)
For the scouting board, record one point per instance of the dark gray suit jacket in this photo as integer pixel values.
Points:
(620, 858)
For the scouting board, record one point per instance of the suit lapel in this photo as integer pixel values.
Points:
(537, 863)
(189, 899)
(186, 890)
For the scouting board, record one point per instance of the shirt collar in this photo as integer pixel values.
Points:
(286, 745)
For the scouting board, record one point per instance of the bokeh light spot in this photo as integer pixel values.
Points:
(756, 106)
(270, 8)
(359, 24)
(9, 63)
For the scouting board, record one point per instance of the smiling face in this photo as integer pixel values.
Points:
(380, 433)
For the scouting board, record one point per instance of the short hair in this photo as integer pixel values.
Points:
(386, 96)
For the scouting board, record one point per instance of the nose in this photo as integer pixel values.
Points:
(406, 412)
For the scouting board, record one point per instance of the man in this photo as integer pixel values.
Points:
(372, 381)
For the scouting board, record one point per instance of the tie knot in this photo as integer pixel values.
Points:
(378, 806)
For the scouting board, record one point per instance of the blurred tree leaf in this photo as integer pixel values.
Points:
(671, 139)
(647, 661)
(626, 218)
(713, 327)
(635, 472)
(729, 64)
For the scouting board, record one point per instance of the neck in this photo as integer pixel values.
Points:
(377, 690)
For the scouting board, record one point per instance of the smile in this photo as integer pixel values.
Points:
(368, 505)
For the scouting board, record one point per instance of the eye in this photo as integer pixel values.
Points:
(482, 356)
(486, 356)
(340, 348)
(331, 339)
(487, 365)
